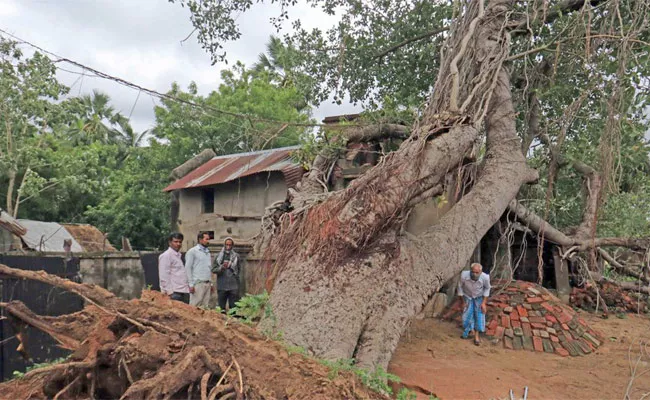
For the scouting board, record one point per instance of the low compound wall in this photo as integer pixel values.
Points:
(119, 272)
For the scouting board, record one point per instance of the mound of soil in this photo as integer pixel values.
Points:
(155, 348)
(526, 316)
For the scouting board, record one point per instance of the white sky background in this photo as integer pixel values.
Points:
(139, 41)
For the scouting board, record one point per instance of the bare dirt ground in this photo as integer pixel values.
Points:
(432, 356)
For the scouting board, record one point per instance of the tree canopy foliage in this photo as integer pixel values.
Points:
(579, 74)
(78, 159)
(580, 86)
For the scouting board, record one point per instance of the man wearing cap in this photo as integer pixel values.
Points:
(226, 266)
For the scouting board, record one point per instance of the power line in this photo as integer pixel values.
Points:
(152, 93)
(162, 96)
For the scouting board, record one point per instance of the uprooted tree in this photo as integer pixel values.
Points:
(345, 278)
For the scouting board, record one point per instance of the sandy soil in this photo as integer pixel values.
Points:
(432, 356)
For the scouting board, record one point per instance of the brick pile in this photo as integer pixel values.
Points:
(526, 316)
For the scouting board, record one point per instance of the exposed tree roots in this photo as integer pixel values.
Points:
(155, 348)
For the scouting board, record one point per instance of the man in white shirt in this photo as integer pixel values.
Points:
(198, 266)
(474, 289)
(171, 272)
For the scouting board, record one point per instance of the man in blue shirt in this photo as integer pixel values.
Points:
(198, 266)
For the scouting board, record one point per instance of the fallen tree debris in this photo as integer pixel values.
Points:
(154, 348)
(617, 297)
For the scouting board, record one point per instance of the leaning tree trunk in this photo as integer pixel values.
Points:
(346, 282)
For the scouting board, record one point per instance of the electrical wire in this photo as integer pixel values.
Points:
(162, 96)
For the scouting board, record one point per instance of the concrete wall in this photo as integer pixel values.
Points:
(6, 239)
(241, 202)
(255, 272)
(119, 272)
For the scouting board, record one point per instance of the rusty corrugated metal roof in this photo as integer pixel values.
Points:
(227, 168)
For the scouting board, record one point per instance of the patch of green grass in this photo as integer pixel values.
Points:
(297, 350)
(406, 394)
(376, 380)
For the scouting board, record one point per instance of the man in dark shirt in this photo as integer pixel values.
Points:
(226, 266)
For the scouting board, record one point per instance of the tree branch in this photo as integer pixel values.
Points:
(19, 201)
(537, 224)
(552, 234)
(520, 27)
(19, 311)
(530, 51)
(620, 268)
(630, 243)
(411, 40)
(631, 286)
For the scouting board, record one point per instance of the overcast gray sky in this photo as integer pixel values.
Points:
(139, 41)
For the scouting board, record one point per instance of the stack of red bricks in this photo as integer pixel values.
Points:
(526, 316)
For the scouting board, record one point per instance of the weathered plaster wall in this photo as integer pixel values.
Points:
(241, 202)
(119, 272)
(6, 239)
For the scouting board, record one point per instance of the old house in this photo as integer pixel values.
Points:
(227, 195)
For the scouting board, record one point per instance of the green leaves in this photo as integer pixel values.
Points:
(132, 202)
(376, 380)
(379, 49)
(190, 130)
(28, 89)
(251, 307)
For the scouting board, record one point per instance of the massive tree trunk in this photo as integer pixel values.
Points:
(346, 282)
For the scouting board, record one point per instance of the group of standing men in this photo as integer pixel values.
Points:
(192, 282)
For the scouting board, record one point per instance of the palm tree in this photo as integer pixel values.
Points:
(281, 62)
(126, 135)
(96, 119)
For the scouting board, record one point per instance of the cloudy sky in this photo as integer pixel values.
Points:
(140, 41)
